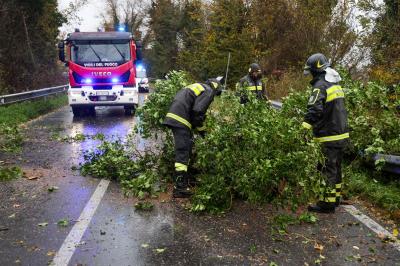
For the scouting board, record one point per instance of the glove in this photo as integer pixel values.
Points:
(308, 127)
(201, 131)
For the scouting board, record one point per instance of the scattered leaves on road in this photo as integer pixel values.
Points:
(145, 245)
(63, 222)
(318, 247)
(10, 173)
(160, 250)
(43, 224)
(144, 206)
(395, 232)
(52, 189)
(51, 253)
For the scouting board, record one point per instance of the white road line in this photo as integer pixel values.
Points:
(371, 224)
(67, 249)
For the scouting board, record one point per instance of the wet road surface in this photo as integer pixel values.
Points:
(168, 235)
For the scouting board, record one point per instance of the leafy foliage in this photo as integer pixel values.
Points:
(250, 151)
(367, 185)
(10, 173)
(373, 112)
(27, 44)
(253, 151)
(152, 114)
(109, 161)
(12, 116)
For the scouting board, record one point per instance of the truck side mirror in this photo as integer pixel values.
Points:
(139, 55)
(61, 52)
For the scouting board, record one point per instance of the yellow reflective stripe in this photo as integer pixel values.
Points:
(180, 167)
(338, 185)
(334, 92)
(330, 199)
(203, 128)
(196, 88)
(338, 193)
(179, 119)
(306, 125)
(253, 88)
(332, 138)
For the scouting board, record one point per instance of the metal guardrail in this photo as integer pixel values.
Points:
(28, 95)
(276, 104)
(392, 162)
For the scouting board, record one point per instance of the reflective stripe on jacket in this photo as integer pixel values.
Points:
(189, 106)
(326, 112)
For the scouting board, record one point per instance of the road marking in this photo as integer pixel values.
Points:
(371, 224)
(67, 249)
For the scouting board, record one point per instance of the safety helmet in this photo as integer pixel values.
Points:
(255, 71)
(254, 68)
(317, 63)
(216, 84)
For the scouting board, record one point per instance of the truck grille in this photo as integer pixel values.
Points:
(102, 98)
(102, 87)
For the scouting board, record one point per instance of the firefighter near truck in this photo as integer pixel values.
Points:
(102, 70)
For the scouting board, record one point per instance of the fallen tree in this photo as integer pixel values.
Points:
(250, 151)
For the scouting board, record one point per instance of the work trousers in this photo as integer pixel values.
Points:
(332, 170)
(183, 139)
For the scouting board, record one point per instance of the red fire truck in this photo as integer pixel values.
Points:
(102, 70)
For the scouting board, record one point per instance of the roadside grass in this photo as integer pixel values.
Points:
(376, 188)
(12, 116)
(18, 113)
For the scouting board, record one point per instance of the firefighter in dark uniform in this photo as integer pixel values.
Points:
(327, 117)
(186, 113)
(252, 82)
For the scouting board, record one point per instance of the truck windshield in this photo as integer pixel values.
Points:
(95, 52)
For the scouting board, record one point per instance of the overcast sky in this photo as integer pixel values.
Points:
(90, 15)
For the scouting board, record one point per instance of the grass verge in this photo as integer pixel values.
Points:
(379, 190)
(12, 116)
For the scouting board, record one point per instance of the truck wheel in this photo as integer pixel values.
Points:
(76, 111)
(129, 110)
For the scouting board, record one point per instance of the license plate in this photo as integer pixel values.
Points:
(102, 98)
(101, 92)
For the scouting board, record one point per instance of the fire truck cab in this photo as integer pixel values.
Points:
(102, 70)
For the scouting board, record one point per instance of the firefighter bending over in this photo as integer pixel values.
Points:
(186, 113)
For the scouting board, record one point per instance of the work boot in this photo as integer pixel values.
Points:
(181, 186)
(322, 207)
(338, 194)
(192, 172)
(338, 201)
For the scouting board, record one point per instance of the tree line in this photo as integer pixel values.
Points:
(197, 35)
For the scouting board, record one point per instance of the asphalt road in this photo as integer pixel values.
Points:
(169, 235)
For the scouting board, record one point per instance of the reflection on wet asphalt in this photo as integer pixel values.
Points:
(168, 235)
(29, 203)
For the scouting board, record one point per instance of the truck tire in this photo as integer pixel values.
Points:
(76, 111)
(129, 110)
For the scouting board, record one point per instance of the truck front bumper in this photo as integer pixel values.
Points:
(116, 96)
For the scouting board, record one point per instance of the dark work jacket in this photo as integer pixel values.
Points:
(189, 107)
(255, 86)
(326, 113)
